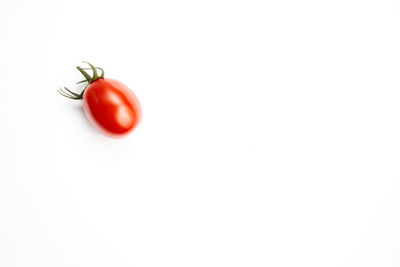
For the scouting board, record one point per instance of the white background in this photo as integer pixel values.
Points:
(270, 134)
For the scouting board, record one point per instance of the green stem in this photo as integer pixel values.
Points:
(89, 79)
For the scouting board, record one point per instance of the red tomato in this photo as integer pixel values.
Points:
(109, 105)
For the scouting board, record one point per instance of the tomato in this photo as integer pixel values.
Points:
(108, 104)
(111, 107)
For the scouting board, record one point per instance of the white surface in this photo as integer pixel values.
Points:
(270, 134)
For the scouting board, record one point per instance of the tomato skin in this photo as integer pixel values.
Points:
(111, 107)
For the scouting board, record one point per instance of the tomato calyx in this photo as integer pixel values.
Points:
(64, 91)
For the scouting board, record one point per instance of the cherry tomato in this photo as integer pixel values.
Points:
(111, 107)
(109, 104)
